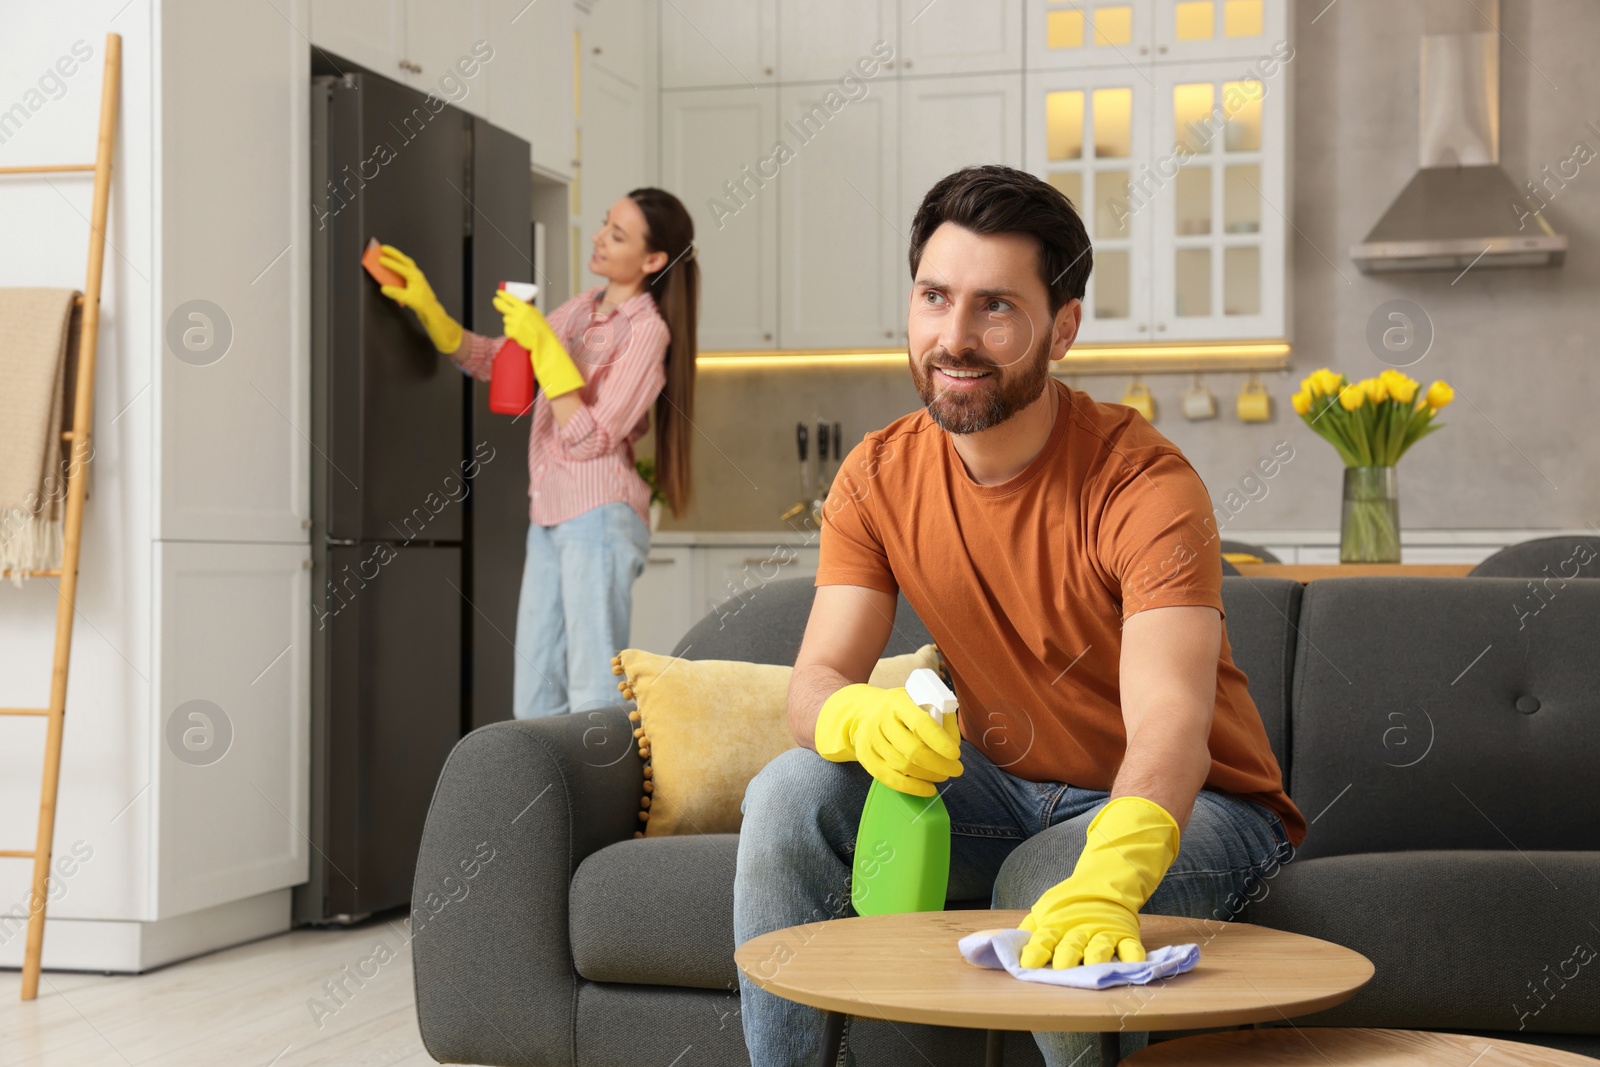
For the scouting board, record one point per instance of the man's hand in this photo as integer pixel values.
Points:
(898, 742)
(1094, 915)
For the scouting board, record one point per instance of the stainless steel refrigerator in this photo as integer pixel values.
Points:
(419, 495)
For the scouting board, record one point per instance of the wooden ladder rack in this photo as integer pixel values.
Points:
(67, 588)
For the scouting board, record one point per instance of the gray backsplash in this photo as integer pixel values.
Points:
(1520, 448)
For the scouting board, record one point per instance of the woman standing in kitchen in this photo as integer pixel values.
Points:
(619, 348)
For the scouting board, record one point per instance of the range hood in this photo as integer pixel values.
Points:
(1460, 208)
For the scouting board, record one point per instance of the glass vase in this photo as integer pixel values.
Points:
(1369, 530)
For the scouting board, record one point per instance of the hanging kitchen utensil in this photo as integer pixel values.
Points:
(1255, 403)
(1139, 399)
(1198, 403)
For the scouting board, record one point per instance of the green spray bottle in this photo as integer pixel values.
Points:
(902, 860)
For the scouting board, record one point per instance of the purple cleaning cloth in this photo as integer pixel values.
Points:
(1002, 950)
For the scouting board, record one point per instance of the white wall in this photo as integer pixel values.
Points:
(106, 771)
(192, 578)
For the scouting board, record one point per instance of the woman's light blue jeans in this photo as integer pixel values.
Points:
(575, 608)
(1011, 839)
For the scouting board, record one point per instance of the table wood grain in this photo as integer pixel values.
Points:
(906, 968)
(1330, 1047)
(1305, 572)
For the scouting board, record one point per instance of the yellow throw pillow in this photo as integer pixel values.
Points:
(706, 727)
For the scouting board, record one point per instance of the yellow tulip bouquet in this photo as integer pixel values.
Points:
(1370, 424)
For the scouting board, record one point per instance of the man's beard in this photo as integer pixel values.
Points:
(991, 404)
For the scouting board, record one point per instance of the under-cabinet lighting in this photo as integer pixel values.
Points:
(1082, 359)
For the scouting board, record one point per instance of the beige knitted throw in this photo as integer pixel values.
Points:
(35, 325)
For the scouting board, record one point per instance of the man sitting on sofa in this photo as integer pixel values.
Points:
(1109, 755)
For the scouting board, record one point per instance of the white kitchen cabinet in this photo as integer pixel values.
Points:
(1089, 136)
(1188, 30)
(717, 152)
(619, 36)
(232, 691)
(1073, 34)
(1081, 34)
(426, 44)
(231, 362)
(369, 32)
(445, 45)
(1219, 254)
(1180, 173)
(708, 43)
(664, 601)
(840, 240)
(823, 40)
(945, 124)
(733, 577)
(959, 36)
(529, 79)
(613, 160)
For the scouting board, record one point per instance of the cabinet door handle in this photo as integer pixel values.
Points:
(1161, 326)
(1143, 327)
(767, 71)
(907, 63)
(596, 49)
(766, 337)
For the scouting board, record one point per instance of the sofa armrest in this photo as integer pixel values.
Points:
(517, 807)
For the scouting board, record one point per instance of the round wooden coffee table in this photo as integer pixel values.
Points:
(1284, 1047)
(906, 968)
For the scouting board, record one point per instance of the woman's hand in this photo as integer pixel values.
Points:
(418, 295)
(526, 325)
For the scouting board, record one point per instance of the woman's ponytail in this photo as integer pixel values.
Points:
(676, 289)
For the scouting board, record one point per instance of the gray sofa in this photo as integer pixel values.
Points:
(1441, 736)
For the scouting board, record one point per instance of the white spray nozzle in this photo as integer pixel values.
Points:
(527, 292)
(928, 691)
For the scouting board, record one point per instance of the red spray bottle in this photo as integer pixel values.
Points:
(511, 378)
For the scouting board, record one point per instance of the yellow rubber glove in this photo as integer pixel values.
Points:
(1095, 914)
(417, 295)
(526, 325)
(896, 741)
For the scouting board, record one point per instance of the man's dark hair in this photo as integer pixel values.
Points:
(995, 199)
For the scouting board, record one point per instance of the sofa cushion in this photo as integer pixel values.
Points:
(1261, 614)
(706, 727)
(1477, 940)
(1438, 713)
(657, 911)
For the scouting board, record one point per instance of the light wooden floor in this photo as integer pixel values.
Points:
(250, 1006)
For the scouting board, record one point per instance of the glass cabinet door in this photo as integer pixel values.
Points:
(1087, 137)
(1078, 34)
(1219, 254)
(1217, 29)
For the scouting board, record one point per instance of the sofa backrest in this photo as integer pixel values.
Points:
(1447, 713)
(1260, 619)
(764, 624)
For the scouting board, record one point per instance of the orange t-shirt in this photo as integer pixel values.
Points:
(1024, 585)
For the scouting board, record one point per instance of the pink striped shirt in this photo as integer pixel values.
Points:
(589, 461)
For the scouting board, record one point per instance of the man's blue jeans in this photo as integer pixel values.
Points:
(1011, 840)
(575, 608)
